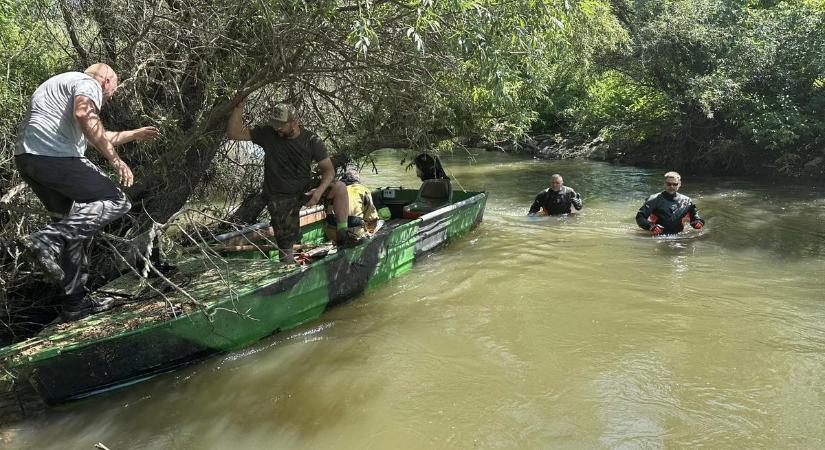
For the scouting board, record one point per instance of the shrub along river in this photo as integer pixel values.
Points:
(573, 332)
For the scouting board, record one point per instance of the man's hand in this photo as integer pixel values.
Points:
(314, 197)
(123, 171)
(656, 229)
(235, 128)
(146, 133)
(577, 202)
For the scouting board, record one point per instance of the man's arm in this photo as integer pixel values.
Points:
(235, 128)
(696, 221)
(85, 112)
(644, 213)
(327, 174)
(138, 134)
(536, 206)
(576, 200)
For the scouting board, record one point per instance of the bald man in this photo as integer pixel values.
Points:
(557, 199)
(50, 156)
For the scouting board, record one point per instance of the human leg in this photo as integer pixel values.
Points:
(284, 213)
(337, 193)
(55, 202)
(74, 260)
(81, 224)
(46, 253)
(95, 201)
(345, 236)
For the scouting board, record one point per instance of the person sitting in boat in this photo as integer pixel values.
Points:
(428, 167)
(289, 151)
(363, 216)
(667, 211)
(557, 199)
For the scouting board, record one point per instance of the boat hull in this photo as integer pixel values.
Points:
(285, 302)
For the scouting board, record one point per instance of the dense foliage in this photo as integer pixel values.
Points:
(712, 85)
(366, 74)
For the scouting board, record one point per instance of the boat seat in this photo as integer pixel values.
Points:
(432, 194)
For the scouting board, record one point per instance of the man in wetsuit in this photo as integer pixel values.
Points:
(289, 151)
(557, 199)
(666, 212)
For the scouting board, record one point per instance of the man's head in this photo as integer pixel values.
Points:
(351, 176)
(672, 182)
(285, 120)
(106, 77)
(556, 182)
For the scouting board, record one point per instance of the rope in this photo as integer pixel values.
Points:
(453, 177)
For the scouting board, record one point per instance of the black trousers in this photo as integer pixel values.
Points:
(85, 199)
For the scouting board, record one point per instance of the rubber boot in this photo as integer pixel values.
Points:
(76, 307)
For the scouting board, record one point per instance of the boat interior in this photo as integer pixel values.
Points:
(404, 205)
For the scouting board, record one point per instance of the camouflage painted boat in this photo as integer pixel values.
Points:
(226, 303)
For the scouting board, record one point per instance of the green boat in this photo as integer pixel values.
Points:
(213, 304)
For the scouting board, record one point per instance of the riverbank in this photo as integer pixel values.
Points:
(654, 155)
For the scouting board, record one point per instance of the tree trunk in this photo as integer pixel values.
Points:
(250, 209)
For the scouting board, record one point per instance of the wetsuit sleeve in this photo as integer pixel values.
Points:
(536, 206)
(694, 214)
(576, 200)
(644, 213)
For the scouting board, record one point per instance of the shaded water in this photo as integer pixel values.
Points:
(577, 332)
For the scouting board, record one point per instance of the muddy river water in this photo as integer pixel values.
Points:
(574, 332)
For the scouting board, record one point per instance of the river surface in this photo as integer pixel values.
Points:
(574, 332)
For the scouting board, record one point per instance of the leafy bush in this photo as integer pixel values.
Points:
(710, 84)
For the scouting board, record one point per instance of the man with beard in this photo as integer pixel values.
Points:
(289, 151)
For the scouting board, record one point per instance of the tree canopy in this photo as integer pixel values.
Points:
(365, 74)
(713, 85)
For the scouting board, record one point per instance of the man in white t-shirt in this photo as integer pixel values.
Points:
(62, 118)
